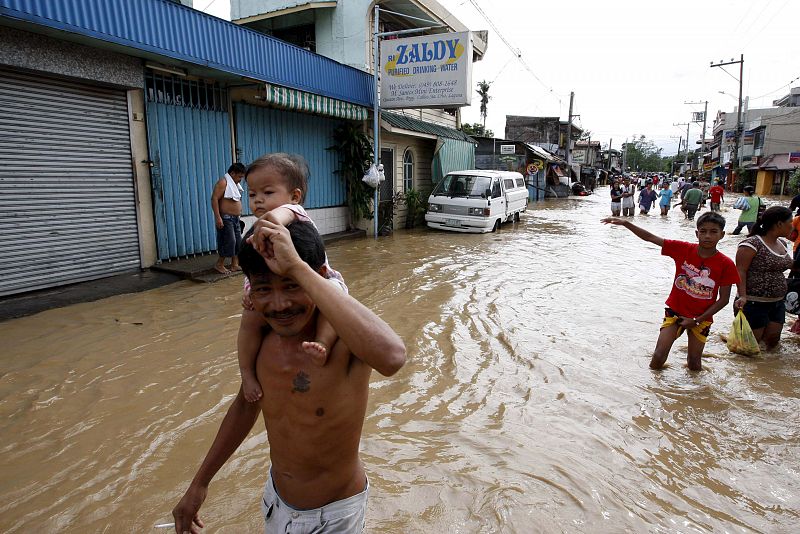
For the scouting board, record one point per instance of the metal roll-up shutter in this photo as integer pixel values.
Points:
(67, 201)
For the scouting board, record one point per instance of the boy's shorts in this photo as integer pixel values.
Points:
(760, 314)
(347, 516)
(700, 331)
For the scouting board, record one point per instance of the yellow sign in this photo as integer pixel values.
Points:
(535, 166)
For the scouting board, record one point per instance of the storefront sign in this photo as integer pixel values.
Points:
(427, 71)
(508, 149)
(794, 157)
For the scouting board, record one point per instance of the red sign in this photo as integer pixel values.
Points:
(794, 157)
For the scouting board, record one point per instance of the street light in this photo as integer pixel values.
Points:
(728, 94)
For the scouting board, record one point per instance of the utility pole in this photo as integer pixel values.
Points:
(686, 156)
(569, 134)
(609, 154)
(703, 134)
(739, 110)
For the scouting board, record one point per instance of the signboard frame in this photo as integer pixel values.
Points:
(426, 71)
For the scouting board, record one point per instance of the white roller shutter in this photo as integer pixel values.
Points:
(67, 201)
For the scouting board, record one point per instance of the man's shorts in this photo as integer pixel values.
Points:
(347, 516)
(760, 314)
(229, 237)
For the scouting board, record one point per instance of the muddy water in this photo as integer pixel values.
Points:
(526, 405)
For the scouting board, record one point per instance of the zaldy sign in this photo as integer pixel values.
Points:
(427, 71)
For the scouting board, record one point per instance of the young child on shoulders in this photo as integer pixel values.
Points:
(277, 184)
(701, 286)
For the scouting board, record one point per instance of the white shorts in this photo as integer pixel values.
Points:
(347, 516)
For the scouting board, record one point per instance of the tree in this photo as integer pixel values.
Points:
(483, 92)
(476, 130)
(642, 154)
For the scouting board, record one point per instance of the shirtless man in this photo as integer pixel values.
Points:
(313, 415)
(226, 203)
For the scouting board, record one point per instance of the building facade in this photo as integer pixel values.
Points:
(113, 131)
(418, 146)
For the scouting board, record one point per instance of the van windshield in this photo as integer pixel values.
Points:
(462, 185)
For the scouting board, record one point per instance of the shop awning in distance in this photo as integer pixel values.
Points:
(295, 100)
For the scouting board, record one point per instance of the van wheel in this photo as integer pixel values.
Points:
(516, 217)
(496, 226)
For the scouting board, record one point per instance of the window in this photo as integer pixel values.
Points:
(496, 189)
(520, 182)
(509, 183)
(408, 170)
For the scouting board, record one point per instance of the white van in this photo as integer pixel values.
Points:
(476, 201)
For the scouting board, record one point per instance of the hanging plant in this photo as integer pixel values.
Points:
(355, 157)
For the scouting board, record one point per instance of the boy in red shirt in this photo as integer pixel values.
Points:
(717, 195)
(701, 287)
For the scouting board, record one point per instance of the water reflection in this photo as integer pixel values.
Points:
(526, 405)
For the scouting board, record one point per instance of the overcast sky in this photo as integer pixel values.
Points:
(632, 64)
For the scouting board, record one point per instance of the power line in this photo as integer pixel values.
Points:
(516, 51)
(758, 33)
(208, 5)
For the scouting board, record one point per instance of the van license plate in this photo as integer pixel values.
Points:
(452, 222)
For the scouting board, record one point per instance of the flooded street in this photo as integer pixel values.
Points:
(526, 404)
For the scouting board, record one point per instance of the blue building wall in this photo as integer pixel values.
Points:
(261, 130)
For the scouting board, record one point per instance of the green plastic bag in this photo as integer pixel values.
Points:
(741, 339)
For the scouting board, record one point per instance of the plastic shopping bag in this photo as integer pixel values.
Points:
(374, 176)
(741, 339)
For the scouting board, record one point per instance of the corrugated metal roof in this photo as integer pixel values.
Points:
(178, 32)
(416, 125)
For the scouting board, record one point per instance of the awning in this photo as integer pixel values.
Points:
(397, 121)
(451, 155)
(539, 151)
(292, 99)
(778, 162)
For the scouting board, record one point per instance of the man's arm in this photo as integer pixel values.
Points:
(235, 426)
(367, 336)
(641, 233)
(216, 196)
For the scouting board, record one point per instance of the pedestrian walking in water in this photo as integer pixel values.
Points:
(701, 286)
(717, 195)
(749, 205)
(665, 195)
(691, 201)
(646, 198)
(314, 415)
(616, 198)
(761, 260)
(628, 203)
(226, 203)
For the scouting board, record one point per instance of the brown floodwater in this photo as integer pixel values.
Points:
(526, 404)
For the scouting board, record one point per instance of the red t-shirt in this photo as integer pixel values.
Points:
(697, 280)
(716, 193)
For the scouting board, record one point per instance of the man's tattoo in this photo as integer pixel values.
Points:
(301, 382)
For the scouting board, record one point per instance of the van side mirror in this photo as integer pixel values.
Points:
(487, 193)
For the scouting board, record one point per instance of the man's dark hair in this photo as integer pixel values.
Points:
(711, 217)
(306, 240)
(292, 167)
(237, 168)
(749, 189)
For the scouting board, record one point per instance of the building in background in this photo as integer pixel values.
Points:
(418, 146)
(114, 129)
